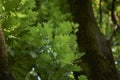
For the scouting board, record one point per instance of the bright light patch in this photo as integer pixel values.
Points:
(39, 78)
(116, 62)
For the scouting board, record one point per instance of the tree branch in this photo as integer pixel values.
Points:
(114, 20)
(100, 12)
(5, 73)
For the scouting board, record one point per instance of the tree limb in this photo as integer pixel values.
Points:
(114, 20)
(5, 73)
(100, 12)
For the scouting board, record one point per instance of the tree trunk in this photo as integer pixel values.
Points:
(98, 62)
(4, 68)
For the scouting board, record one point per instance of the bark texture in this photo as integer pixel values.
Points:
(98, 62)
(4, 68)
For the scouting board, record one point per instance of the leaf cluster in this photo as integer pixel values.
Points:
(40, 39)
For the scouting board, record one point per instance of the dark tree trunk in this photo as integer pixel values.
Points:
(4, 68)
(98, 62)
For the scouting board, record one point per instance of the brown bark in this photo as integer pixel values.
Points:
(98, 62)
(4, 68)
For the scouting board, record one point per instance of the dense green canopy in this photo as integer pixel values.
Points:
(41, 41)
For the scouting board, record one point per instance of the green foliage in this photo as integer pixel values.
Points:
(116, 50)
(82, 77)
(40, 39)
